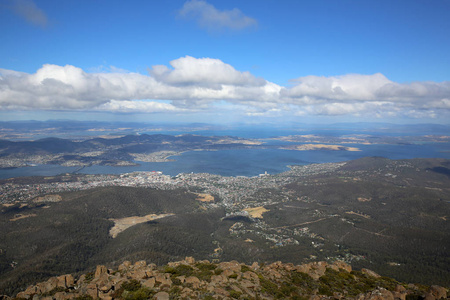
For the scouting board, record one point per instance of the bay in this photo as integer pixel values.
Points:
(248, 162)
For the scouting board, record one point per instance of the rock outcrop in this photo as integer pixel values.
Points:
(191, 279)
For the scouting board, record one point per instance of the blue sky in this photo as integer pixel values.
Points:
(226, 61)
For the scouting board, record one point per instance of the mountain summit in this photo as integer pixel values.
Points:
(191, 279)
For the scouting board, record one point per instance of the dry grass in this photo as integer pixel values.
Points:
(20, 216)
(256, 212)
(48, 198)
(362, 199)
(204, 197)
(125, 223)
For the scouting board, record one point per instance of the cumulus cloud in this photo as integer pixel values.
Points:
(206, 72)
(356, 87)
(28, 10)
(209, 17)
(356, 94)
(343, 88)
(191, 84)
(128, 106)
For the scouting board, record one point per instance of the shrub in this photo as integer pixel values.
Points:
(54, 291)
(89, 277)
(84, 297)
(235, 294)
(131, 285)
(205, 266)
(176, 290)
(288, 289)
(268, 286)
(140, 294)
(245, 268)
(325, 290)
(179, 270)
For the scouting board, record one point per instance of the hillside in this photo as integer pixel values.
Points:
(385, 215)
(190, 279)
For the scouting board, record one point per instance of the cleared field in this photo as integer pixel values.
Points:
(204, 197)
(125, 223)
(256, 212)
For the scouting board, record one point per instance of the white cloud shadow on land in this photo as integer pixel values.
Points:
(206, 85)
(28, 10)
(209, 17)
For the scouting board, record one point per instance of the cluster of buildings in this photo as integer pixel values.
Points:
(231, 190)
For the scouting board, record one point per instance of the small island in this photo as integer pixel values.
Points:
(306, 147)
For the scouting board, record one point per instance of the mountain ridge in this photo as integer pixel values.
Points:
(191, 279)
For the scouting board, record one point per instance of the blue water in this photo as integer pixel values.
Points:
(247, 162)
(40, 170)
(257, 161)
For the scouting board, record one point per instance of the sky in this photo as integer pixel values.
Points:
(267, 61)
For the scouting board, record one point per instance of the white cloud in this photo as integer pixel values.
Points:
(356, 87)
(206, 72)
(439, 104)
(191, 83)
(203, 85)
(209, 17)
(28, 10)
(416, 90)
(129, 106)
(344, 88)
(356, 109)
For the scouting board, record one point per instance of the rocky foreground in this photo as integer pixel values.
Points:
(190, 279)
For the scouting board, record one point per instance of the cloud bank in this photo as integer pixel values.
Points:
(210, 18)
(190, 85)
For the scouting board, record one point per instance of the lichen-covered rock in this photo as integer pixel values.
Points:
(100, 270)
(193, 282)
(140, 264)
(399, 292)
(150, 283)
(250, 276)
(315, 269)
(91, 290)
(378, 294)
(438, 292)
(163, 279)
(221, 291)
(370, 273)
(162, 296)
(340, 265)
(189, 260)
(255, 266)
(219, 279)
(232, 266)
(124, 266)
